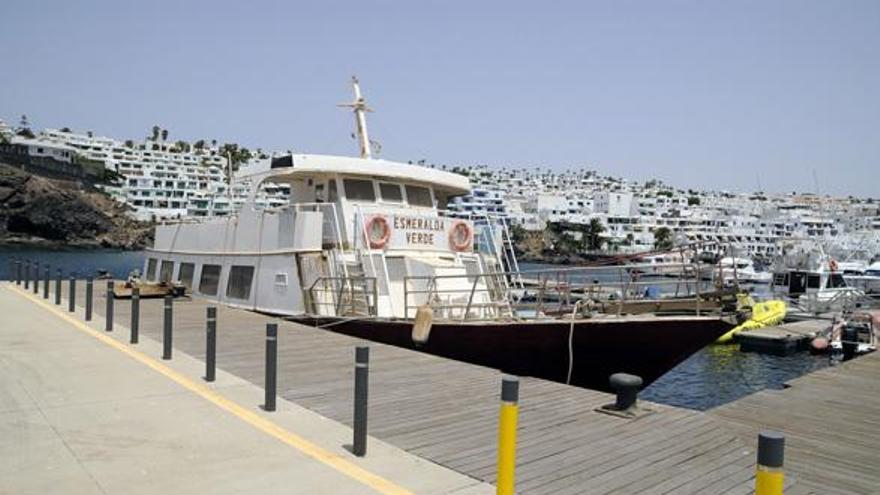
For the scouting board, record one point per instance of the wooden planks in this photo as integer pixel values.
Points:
(446, 411)
(831, 420)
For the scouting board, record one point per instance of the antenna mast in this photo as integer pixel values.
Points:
(360, 119)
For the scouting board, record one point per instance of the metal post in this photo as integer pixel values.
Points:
(769, 476)
(27, 275)
(17, 272)
(36, 278)
(271, 365)
(58, 288)
(361, 387)
(89, 285)
(507, 435)
(211, 345)
(108, 312)
(166, 329)
(46, 284)
(71, 304)
(135, 314)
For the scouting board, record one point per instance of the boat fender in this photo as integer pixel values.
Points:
(378, 232)
(819, 345)
(461, 236)
(421, 330)
(832, 265)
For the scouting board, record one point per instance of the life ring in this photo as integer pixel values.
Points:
(377, 232)
(833, 265)
(461, 236)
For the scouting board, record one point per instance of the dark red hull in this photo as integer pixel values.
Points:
(647, 347)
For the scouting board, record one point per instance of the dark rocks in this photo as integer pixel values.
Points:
(50, 213)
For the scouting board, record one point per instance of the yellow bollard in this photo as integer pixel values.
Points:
(769, 476)
(507, 435)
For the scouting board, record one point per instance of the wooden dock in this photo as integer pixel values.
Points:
(781, 340)
(446, 411)
(831, 420)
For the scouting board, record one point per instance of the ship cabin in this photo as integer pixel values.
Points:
(360, 237)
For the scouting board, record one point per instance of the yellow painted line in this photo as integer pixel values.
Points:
(324, 456)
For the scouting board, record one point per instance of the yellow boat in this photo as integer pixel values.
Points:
(764, 314)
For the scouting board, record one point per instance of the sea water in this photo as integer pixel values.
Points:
(713, 376)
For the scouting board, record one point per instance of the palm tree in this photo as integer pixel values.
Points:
(663, 239)
(155, 133)
(164, 134)
(593, 234)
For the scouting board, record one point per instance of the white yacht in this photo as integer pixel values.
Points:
(815, 284)
(366, 248)
(741, 270)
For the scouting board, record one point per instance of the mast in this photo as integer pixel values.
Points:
(359, 105)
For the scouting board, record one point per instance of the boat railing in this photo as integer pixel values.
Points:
(355, 296)
(621, 289)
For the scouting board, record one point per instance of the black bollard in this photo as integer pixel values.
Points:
(17, 272)
(36, 278)
(71, 304)
(27, 275)
(627, 387)
(271, 365)
(849, 341)
(58, 288)
(361, 388)
(46, 283)
(108, 311)
(166, 329)
(135, 314)
(89, 291)
(211, 345)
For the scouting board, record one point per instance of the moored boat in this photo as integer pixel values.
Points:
(366, 245)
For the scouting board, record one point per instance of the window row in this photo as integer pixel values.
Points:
(238, 284)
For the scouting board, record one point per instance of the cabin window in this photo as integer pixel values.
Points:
(185, 276)
(166, 271)
(151, 269)
(812, 281)
(835, 280)
(210, 280)
(359, 190)
(390, 192)
(240, 279)
(419, 196)
(332, 195)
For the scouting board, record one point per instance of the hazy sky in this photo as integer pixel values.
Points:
(717, 94)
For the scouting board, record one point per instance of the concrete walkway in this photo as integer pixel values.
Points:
(81, 411)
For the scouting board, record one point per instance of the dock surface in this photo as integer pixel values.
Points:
(446, 412)
(81, 412)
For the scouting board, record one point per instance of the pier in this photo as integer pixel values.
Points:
(442, 416)
(783, 339)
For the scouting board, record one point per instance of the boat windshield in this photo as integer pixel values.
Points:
(835, 280)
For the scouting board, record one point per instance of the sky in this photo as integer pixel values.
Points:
(726, 95)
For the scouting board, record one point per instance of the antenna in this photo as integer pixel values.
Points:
(360, 119)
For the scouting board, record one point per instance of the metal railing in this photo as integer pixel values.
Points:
(616, 289)
(343, 296)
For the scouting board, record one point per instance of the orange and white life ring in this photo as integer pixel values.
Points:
(832, 265)
(377, 231)
(461, 236)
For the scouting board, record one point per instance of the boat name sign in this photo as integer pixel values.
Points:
(409, 232)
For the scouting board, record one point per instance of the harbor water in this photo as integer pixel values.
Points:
(711, 377)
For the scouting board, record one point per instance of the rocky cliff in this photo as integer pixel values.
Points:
(44, 212)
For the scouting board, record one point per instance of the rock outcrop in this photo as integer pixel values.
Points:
(44, 212)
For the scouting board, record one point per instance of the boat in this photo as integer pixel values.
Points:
(862, 276)
(366, 248)
(737, 270)
(814, 284)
